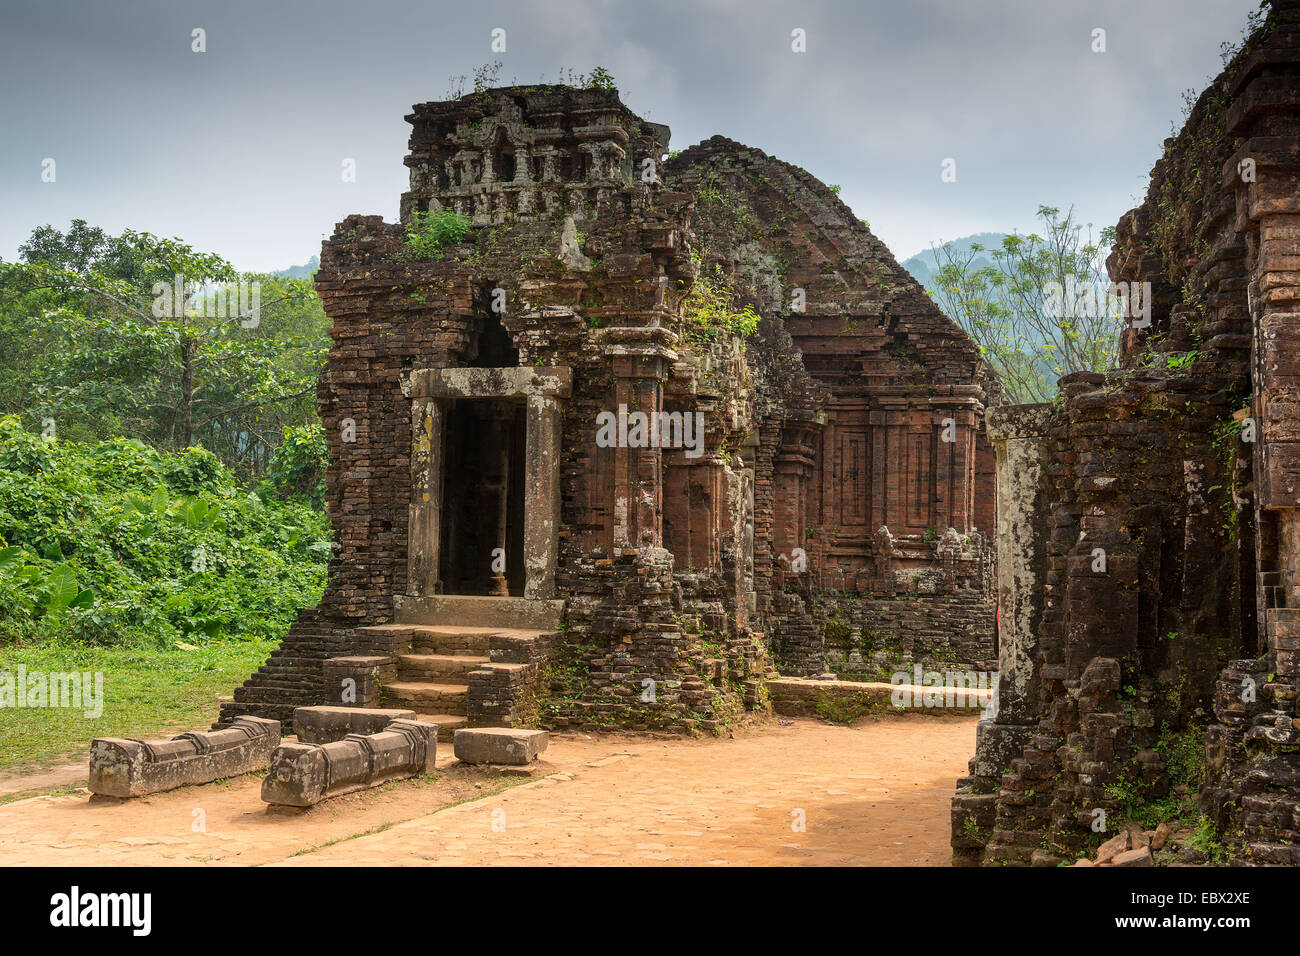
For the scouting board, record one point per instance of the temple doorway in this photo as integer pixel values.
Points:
(482, 533)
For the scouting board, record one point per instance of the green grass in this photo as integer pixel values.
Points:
(147, 691)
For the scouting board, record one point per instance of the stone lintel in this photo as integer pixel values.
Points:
(1005, 422)
(521, 382)
(302, 775)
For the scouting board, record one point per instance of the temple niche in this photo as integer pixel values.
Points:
(658, 427)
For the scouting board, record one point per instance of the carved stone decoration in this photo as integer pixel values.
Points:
(132, 768)
(302, 775)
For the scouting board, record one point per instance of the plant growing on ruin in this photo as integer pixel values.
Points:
(428, 233)
(599, 79)
(484, 78)
(708, 309)
(1207, 841)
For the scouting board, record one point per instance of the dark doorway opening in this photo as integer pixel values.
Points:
(482, 540)
(490, 345)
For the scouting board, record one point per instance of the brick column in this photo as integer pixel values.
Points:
(639, 371)
(1017, 433)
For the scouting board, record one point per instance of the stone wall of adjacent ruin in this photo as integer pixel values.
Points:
(864, 374)
(870, 639)
(1166, 469)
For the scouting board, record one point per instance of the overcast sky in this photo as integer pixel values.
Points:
(238, 150)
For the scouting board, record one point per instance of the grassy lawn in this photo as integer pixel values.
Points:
(147, 691)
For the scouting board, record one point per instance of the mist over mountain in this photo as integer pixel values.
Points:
(923, 267)
(304, 271)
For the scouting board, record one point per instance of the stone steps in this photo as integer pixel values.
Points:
(446, 639)
(438, 641)
(474, 611)
(454, 640)
(447, 723)
(439, 668)
(426, 697)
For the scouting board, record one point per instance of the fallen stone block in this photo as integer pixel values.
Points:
(499, 745)
(1161, 835)
(1137, 837)
(1139, 857)
(132, 768)
(324, 725)
(302, 775)
(1113, 847)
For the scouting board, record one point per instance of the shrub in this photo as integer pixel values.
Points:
(297, 469)
(195, 470)
(427, 233)
(117, 543)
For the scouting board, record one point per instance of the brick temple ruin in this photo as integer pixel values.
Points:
(811, 496)
(1181, 470)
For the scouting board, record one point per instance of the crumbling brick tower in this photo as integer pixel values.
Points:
(1146, 554)
(870, 450)
(497, 561)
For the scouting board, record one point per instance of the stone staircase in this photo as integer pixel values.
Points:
(441, 640)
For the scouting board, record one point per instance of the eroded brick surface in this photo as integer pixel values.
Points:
(1176, 471)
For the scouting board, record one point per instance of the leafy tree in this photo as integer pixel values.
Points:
(1016, 302)
(93, 337)
(297, 468)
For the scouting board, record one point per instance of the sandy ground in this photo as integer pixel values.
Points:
(873, 794)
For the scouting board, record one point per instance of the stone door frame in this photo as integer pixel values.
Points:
(431, 392)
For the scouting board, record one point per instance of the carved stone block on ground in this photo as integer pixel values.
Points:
(132, 768)
(324, 725)
(302, 775)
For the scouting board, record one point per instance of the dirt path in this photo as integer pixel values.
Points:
(877, 793)
(44, 780)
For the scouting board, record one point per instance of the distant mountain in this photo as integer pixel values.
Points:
(300, 272)
(922, 265)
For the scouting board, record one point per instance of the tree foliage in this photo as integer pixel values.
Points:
(119, 543)
(1006, 304)
(84, 344)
